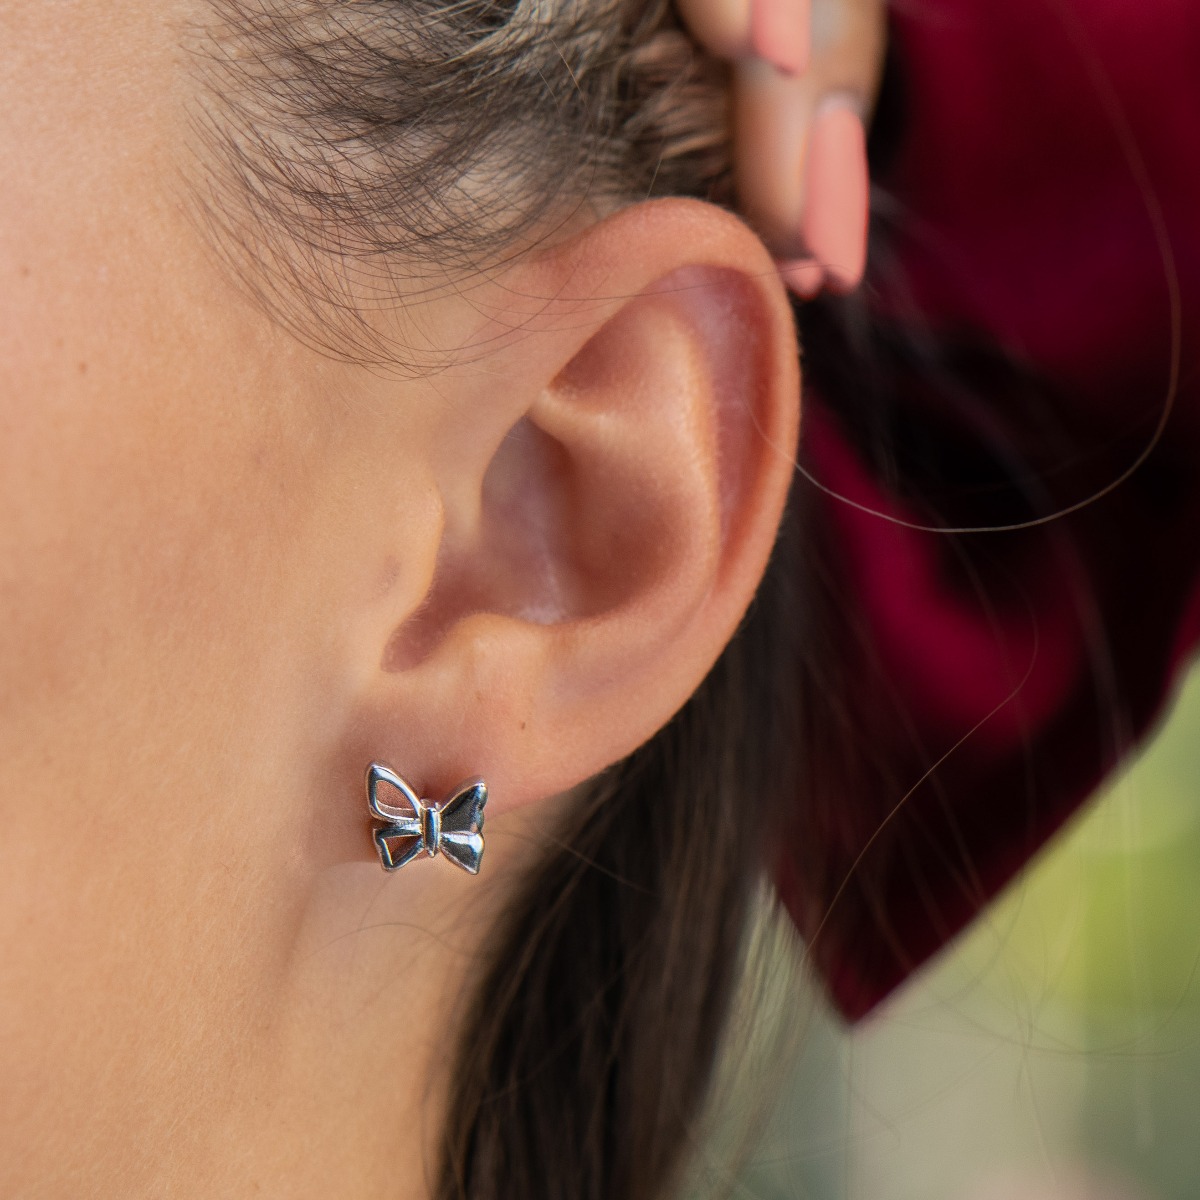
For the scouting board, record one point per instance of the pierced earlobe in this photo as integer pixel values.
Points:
(415, 826)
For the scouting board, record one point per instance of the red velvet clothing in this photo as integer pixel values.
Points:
(1049, 187)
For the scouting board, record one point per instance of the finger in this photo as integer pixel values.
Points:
(803, 276)
(837, 193)
(800, 166)
(771, 113)
(780, 33)
(775, 31)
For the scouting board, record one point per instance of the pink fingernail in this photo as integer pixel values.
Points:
(803, 276)
(836, 194)
(779, 33)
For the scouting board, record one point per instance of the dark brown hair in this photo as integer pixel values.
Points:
(350, 141)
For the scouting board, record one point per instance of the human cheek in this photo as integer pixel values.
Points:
(143, 531)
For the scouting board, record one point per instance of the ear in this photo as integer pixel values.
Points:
(611, 459)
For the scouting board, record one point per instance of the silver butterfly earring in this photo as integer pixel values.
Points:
(414, 826)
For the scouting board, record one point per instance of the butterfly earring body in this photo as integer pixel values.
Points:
(412, 826)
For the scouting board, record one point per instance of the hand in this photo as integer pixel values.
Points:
(805, 74)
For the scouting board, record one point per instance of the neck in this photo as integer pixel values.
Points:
(328, 1073)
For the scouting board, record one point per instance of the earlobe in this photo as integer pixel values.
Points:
(625, 482)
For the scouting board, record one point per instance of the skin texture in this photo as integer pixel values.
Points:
(233, 571)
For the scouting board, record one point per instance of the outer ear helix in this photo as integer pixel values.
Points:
(453, 828)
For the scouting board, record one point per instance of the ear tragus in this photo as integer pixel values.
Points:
(513, 561)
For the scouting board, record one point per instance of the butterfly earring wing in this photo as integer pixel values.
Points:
(397, 849)
(462, 825)
(400, 839)
(392, 814)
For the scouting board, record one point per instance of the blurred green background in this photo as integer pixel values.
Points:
(1052, 1054)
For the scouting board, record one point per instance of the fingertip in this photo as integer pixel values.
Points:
(803, 276)
(837, 194)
